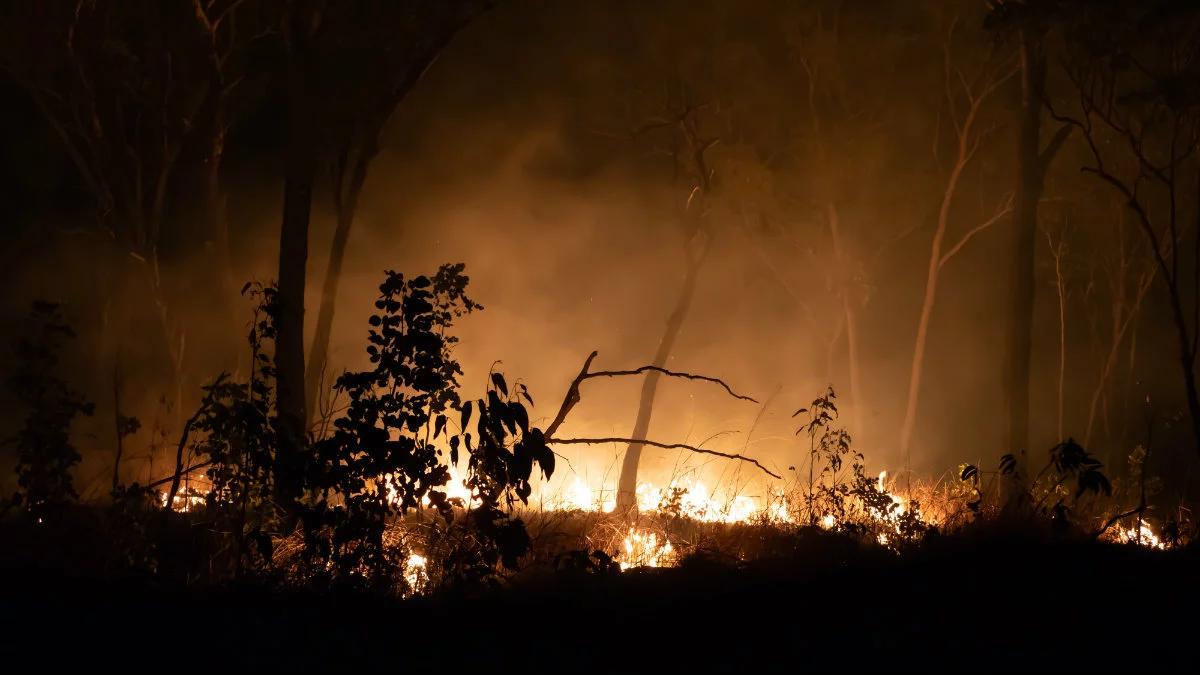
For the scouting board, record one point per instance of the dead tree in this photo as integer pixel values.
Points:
(1133, 73)
(135, 90)
(698, 241)
(1129, 279)
(965, 97)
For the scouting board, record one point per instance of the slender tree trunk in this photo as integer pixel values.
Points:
(1187, 362)
(930, 297)
(849, 310)
(627, 483)
(1120, 327)
(347, 206)
(1018, 345)
(118, 423)
(1060, 286)
(293, 259)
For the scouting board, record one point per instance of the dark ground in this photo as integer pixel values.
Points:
(985, 605)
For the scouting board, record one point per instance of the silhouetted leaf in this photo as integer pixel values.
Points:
(498, 380)
(465, 419)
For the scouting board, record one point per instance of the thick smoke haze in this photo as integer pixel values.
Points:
(524, 152)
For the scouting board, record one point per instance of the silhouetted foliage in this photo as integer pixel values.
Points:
(382, 459)
(1054, 491)
(237, 435)
(45, 452)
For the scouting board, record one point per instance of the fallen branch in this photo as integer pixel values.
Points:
(1136, 511)
(665, 446)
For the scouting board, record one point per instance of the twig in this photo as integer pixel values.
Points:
(183, 439)
(184, 472)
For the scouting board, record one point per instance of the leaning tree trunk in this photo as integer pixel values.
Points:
(346, 207)
(1018, 346)
(293, 258)
(627, 483)
(929, 299)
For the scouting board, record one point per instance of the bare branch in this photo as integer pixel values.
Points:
(570, 399)
(1055, 144)
(666, 446)
(1003, 211)
(671, 373)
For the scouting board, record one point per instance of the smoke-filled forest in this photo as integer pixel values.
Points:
(599, 335)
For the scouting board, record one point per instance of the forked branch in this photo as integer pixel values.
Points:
(572, 398)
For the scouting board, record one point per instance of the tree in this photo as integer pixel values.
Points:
(965, 97)
(690, 158)
(1026, 22)
(1134, 71)
(137, 91)
(348, 66)
(381, 57)
(139, 94)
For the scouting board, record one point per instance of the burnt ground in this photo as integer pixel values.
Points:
(959, 604)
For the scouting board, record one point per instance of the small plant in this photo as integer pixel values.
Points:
(826, 491)
(839, 495)
(1054, 492)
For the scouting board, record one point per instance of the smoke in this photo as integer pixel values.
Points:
(517, 155)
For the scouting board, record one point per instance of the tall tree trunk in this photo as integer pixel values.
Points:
(1018, 346)
(293, 259)
(627, 483)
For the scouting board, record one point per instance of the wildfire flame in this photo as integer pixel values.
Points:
(642, 549)
(186, 500)
(1145, 536)
(415, 572)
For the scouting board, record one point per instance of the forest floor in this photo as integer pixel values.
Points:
(983, 603)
